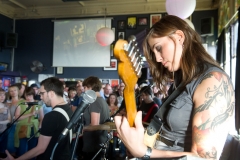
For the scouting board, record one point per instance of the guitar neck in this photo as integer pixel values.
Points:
(129, 70)
(130, 101)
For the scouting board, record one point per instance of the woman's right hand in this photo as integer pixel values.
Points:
(132, 137)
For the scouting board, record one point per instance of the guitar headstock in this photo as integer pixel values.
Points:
(129, 70)
(129, 59)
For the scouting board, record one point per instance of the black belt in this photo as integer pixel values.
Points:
(169, 142)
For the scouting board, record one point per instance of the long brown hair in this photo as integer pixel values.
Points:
(194, 56)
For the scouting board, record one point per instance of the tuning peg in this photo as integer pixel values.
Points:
(131, 41)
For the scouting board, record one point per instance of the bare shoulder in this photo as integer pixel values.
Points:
(214, 103)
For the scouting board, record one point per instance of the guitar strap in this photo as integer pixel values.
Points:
(156, 123)
(64, 113)
(149, 112)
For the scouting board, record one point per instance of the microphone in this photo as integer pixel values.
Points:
(88, 97)
(33, 103)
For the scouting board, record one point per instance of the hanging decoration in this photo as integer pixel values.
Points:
(180, 8)
(105, 36)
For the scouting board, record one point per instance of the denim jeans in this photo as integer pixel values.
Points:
(10, 142)
(3, 142)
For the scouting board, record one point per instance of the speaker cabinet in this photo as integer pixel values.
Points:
(11, 40)
(207, 26)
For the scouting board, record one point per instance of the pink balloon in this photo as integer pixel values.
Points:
(105, 36)
(180, 8)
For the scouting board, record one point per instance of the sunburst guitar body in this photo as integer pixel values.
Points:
(129, 70)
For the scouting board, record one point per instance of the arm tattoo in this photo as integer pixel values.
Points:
(213, 97)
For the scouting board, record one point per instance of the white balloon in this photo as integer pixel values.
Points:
(180, 8)
(105, 36)
(189, 23)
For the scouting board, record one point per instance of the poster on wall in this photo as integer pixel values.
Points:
(114, 82)
(105, 81)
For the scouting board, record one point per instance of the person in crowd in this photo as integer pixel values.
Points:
(51, 92)
(12, 102)
(79, 83)
(5, 118)
(119, 93)
(1, 82)
(156, 92)
(112, 104)
(148, 107)
(196, 123)
(155, 97)
(164, 91)
(36, 89)
(65, 92)
(21, 88)
(78, 98)
(159, 94)
(102, 91)
(107, 91)
(29, 123)
(97, 113)
(71, 95)
(46, 109)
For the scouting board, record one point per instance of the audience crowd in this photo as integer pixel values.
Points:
(21, 119)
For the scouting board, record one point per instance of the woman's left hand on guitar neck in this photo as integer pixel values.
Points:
(132, 137)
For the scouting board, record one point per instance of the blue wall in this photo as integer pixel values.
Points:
(6, 26)
(35, 41)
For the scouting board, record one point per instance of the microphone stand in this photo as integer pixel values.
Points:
(104, 146)
(110, 135)
(10, 124)
(79, 131)
(34, 135)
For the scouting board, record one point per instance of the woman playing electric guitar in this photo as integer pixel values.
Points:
(197, 121)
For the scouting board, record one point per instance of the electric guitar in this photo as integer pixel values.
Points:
(129, 70)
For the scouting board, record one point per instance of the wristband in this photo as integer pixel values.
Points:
(148, 153)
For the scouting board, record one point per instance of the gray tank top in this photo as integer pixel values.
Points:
(12, 112)
(178, 118)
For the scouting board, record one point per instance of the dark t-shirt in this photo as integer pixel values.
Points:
(145, 107)
(91, 140)
(77, 100)
(53, 124)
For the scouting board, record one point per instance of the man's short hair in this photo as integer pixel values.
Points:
(93, 82)
(53, 84)
(146, 90)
